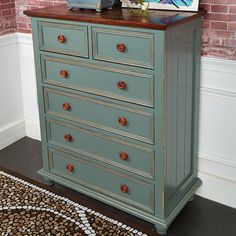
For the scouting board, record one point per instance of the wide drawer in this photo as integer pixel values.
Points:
(125, 47)
(63, 38)
(118, 119)
(106, 81)
(102, 179)
(128, 156)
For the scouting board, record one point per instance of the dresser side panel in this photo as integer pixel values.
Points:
(160, 122)
(182, 78)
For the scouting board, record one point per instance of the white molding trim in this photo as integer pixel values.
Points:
(218, 75)
(24, 38)
(217, 189)
(220, 159)
(219, 93)
(11, 133)
(8, 39)
(219, 65)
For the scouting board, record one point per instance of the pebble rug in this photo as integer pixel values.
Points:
(26, 209)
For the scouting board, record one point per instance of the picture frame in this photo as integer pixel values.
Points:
(177, 5)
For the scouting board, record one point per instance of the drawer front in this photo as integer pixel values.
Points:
(121, 120)
(102, 179)
(131, 157)
(106, 81)
(125, 47)
(63, 38)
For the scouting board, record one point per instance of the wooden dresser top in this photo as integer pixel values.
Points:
(159, 20)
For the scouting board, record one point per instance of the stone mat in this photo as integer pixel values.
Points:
(26, 209)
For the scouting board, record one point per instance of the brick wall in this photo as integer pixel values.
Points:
(7, 16)
(219, 25)
(23, 22)
(219, 29)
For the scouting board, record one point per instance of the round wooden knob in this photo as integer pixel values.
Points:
(123, 156)
(122, 120)
(61, 38)
(124, 188)
(120, 47)
(64, 74)
(69, 167)
(68, 137)
(121, 85)
(66, 106)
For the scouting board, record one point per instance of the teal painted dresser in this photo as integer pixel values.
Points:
(118, 98)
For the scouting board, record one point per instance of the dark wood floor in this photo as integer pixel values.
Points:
(199, 218)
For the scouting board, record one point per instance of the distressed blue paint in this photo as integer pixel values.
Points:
(161, 69)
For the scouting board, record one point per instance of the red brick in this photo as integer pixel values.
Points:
(231, 42)
(7, 6)
(220, 17)
(22, 25)
(206, 6)
(5, 1)
(216, 1)
(222, 52)
(6, 12)
(232, 26)
(218, 25)
(219, 8)
(205, 24)
(24, 30)
(223, 34)
(232, 9)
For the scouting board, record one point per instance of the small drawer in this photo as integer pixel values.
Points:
(128, 156)
(111, 82)
(103, 180)
(63, 38)
(121, 120)
(125, 47)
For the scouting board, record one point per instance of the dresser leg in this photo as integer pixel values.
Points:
(192, 198)
(48, 181)
(160, 229)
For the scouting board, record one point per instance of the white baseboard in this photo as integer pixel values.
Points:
(217, 189)
(32, 129)
(11, 133)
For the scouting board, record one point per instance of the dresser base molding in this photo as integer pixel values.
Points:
(161, 225)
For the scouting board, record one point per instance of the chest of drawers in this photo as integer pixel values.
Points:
(118, 100)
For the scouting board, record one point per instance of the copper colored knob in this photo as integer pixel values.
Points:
(68, 137)
(69, 167)
(66, 106)
(123, 156)
(61, 38)
(122, 120)
(124, 188)
(120, 47)
(64, 74)
(121, 85)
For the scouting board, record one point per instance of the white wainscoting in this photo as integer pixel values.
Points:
(29, 90)
(11, 103)
(217, 138)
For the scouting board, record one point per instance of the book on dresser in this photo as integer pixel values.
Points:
(118, 99)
